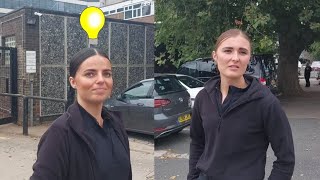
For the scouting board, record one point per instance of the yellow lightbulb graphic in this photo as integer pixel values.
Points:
(92, 21)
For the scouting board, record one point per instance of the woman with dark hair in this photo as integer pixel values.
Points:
(87, 142)
(234, 120)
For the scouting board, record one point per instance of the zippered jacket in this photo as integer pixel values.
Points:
(233, 145)
(65, 151)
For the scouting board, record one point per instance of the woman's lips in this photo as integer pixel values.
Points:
(234, 67)
(99, 90)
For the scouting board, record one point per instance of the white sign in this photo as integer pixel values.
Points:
(31, 61)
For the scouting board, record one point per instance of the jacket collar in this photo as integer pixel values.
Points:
(79, 125)
(255, 91)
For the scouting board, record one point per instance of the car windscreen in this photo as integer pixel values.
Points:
(167, 84)
(190, 82)
(189, 68)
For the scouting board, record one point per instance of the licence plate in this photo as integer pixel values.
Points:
(184, 118)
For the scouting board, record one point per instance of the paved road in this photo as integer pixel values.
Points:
(172, 153)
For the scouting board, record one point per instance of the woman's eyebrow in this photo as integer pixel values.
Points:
(89, 70)
(94, 70)
(243, 49)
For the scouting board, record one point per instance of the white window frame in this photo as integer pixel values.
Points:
(9, 41)
(137, 10)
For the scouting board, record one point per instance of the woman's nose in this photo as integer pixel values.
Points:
(100, 78)
(235, 56)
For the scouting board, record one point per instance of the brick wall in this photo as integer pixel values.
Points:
(27, 39)
(11, 25)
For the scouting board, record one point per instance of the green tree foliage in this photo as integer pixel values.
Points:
(189, 29)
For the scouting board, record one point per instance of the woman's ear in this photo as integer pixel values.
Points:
(72, 83)
(214, 55)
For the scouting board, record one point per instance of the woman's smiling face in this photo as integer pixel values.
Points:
(93, 80)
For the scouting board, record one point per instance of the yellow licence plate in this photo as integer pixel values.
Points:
(184, 118)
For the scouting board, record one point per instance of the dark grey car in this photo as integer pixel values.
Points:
(158, 106)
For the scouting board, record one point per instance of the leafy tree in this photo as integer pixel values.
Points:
(189, 28)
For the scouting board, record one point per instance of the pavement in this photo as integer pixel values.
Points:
(18, 153)
(306, 105)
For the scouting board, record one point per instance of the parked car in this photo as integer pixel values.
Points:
(262, 67)
(192, 85)
(315, 66)
(158, 106)
(201, 68)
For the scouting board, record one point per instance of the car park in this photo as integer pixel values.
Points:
(157, 106)
(192, 85)
(201, 68)
(261, 66)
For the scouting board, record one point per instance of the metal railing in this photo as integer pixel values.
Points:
(26, 106)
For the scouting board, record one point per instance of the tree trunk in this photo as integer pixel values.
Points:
(290, 50)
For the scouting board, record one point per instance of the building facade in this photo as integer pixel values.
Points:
(70, 6)
(54, 37)
(133, 10)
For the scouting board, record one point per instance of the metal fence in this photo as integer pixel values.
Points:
(26, 99)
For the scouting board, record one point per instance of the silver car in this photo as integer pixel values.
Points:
(158, 106)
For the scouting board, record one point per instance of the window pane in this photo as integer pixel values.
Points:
(146, 10)
(134, 13)
(128, 15)
(139, 12)
(139, 91)
(164, 85)
(113, 11)
(120, 10)
(190, 82)
(7, 57)
(136, 6)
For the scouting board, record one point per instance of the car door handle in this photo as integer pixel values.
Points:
(140, 104)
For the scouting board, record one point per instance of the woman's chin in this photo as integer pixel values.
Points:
(233, 75)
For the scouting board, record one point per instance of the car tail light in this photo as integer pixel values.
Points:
(161, 102)
(159, 129)
(263, 81)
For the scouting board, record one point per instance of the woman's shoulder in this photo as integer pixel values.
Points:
(60, 124)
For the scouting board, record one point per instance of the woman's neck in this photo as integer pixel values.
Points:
(226, 83)
(93, 109)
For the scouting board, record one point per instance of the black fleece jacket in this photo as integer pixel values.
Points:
(233, 145)
(65, 151)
